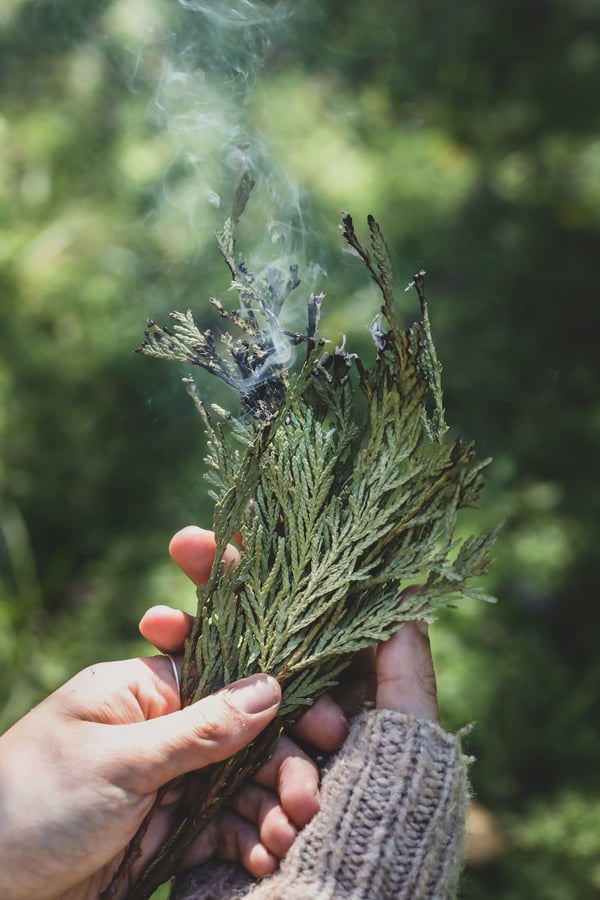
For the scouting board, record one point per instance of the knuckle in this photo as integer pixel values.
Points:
(218, 723)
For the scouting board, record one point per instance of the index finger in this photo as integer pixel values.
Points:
(194, 548)
(166, 628)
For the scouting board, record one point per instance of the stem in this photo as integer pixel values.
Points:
(225, 778)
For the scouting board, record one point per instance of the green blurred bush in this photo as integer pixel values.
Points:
(471, 132)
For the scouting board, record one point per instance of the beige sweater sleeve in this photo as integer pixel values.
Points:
(391, 824)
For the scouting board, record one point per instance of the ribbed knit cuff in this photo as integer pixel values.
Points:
(391, 823)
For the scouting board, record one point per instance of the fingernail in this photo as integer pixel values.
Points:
(255, 694)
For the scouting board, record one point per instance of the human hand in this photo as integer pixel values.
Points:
(284, 795)
(79, 772)
(397, 674)
(263, 818)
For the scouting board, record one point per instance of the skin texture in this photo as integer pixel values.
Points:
(81, 770)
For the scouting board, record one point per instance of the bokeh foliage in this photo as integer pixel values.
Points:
(471, 132)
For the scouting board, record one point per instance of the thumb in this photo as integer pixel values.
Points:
(405, 673)
(205, 732)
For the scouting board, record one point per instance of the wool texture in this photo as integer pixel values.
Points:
(391, 824)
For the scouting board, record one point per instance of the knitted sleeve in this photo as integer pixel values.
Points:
(391, 824)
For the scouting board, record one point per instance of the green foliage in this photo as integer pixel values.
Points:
(316, 584)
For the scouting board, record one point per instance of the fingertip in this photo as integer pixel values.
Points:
(146, 617)
(160, 611)
(256, 694)
(165, 627)
(323, 725)
(300, 798)
(414, 628)
(294, 778)
(261, 806)
(188, 532)
(193, 550)
(278, 832)
(260, 862)
(405, 673)
(309, 810)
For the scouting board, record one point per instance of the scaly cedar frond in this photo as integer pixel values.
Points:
(339, 512)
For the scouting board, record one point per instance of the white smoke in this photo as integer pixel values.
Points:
(209, 67)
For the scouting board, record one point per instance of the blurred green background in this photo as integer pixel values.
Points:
(471, 131)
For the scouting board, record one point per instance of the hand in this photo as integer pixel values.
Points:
(264, 816)
(398, 674)
(262, 824)
(81, 770)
